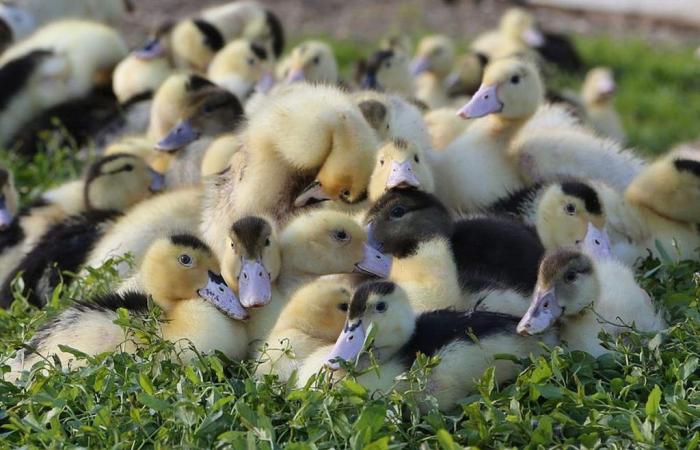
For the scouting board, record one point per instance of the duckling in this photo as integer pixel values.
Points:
(466, 344)
(217, 158)
(311, 61)
(670, 186)
(432, 64)
(452, 264)
(444, 127)
(181, 276)
(387, 71)
(61, 63)
(312, 318)
(586, 294)
(243, 68)
(598, 93)
(400, 165)
(138, 145)
(64, 246)
(466, 78)
(210, 115)
(309, 144)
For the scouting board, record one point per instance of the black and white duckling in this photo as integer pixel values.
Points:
(243, 68)
(212, 113)
(598, 94)
(312, 318)
(447, 263)
(310, 144)
(180, 274)
(387, 71)
(465, 342)
(431, 65)
(401, 164)
(586, 293)
(59, 69)
(311, 61)
(112, 185)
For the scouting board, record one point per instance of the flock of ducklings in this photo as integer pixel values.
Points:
(279, 213)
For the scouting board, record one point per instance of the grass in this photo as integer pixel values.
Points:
(644, 395)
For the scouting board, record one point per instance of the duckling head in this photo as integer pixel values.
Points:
(599, 86)
(252, 260)
(266, 31)
(670, 186)
(182, 267)
(520, 25)
(397, 41)
(382, 305)
(324, 242)
(466, 77)
(9, 200)
(319, 308)
(402, 219)
(400, 165)
(142, 72)
(566, 284)
(118, 181)
(511, 87)
(564, 211)
(211, 113)
(242, 67)
(311, 61)
(435, 54)
(387, 70)
(194, 44)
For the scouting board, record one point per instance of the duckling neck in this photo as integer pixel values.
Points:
(505, 129)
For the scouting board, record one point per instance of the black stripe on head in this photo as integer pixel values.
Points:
(555, 262)
(362, 294)
(688, 165)
(375, 61)
(197, 82)
(15, 74)
(188, 240)
(212, 37)
(94, 171)
(251, 232)
(259, 51)
(277, 32)
(586, 193)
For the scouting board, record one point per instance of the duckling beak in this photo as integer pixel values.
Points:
(312, 194)
(348, 345)
(5, 216)
(606, 86)
(542, 313)
(157, 180)
(533, 37)
(222, 297)
(265, 83)
(254, 285)
(181, 135)
(484, 102)
(296, 75)
(419, 65)
(152, 49)
(402, 176)
(452, 81)
(371, 240)
(597, 243)
(374, 263)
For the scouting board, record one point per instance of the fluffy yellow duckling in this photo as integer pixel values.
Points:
(311, 61)
(444, 126)
(400, 165)
(243, 68)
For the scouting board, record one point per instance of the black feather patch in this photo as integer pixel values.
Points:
(688, 165)
(516, 203)
(251, 232)
(188, 240)
(436, 329)
(197, 82)
(559, 50)
(212, 37)
(375, 61)
(586, 193)
(15, 74)
(259, 51)
(374, 112)
(11, 236)
(276, 31)
(362, 294)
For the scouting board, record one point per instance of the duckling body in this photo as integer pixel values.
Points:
(598, 93)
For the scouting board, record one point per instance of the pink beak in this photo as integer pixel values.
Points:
(607, 86)
(419, 65)
(542, 313)
(374, 263)
(533, 37)
(484, 102)
(348, 345)
(402, 175)
(597, 243)
(254, 285)
(265, 83)
(296, 75)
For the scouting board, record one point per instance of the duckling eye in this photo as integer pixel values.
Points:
(128, 168)
(515, 79)
(343, 307)
(380, 307)
(570, 276)
(317, 60)
(185, 260)
(345, 194)
(381, 162)
(340, 235)
(267, 242)
(251, 62)
(388, 65)
(398, 211)
(416, 159)
(570, 209)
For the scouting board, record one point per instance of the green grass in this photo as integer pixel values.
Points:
(645, 395)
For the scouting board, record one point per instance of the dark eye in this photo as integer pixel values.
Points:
(345, 194)
(398, 211)
(128, 168)
(267, 242)
(416, 158)
(251, 62)
(570, 276)
(381, 162)
(207, 109)
(317, 60)
(341, 235)
(515, 79)
(185, 260)
(570, 209)
(381, 307)
(343, 307)
(388, 65)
